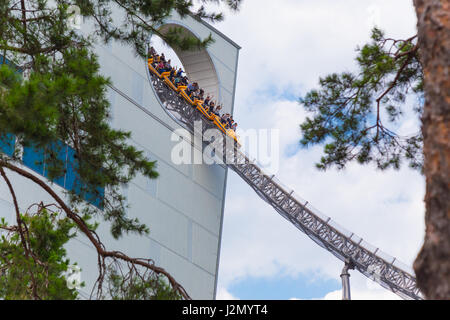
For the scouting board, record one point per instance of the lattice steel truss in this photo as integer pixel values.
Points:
(345, 245)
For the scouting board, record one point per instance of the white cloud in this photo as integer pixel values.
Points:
(291, 43)
(223, 294)
(363, 295)
(362, 288)
(286, 46)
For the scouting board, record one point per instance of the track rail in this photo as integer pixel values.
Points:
(345, 245)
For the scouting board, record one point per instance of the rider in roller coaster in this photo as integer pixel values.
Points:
(193, 91)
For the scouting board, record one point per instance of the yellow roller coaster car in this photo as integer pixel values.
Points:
(169, 83)
(197, 103)
(186, 97)
(181, 88)
(219, 124)
(201, 108)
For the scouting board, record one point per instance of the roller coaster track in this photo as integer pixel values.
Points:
(348, 247)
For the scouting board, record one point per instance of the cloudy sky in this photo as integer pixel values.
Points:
(286, 46)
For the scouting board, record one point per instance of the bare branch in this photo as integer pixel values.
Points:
(93, 237)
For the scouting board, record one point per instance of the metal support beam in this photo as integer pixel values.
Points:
(321, 229)
(345, 276)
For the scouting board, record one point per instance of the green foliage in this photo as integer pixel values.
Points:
(48, 31)
(139, 287)
(350, 111)
(60, 98)
(63, 96)
(64, 100)
(43, 265)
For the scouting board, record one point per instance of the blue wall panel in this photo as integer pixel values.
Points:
(60, 150)
(74, 183)
(7, 144)
(34, 159)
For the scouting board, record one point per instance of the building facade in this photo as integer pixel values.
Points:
(183, 208)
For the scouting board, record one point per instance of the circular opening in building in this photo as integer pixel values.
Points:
(197, 64)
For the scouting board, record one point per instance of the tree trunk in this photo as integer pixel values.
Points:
(432, 265)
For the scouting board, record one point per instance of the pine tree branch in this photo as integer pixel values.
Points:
(410, 54)
(20, 225)
(93, 237)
